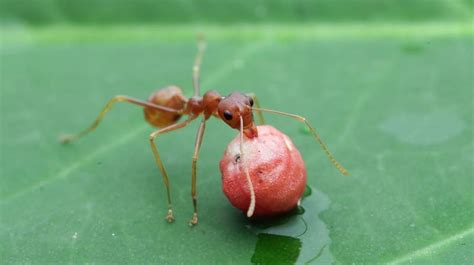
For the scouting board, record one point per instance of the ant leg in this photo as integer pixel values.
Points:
(313, 132)
(197, 146)
(197, 64)
(68, 138)
(261, 120)
(243, 162)
(159, 163)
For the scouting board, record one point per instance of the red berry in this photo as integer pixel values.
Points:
(276, 169)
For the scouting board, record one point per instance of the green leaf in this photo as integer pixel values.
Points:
(394, 104)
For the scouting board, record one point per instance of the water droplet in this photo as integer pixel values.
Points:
(276, 249)
(297, 237)
(423, 128)
(304, 130)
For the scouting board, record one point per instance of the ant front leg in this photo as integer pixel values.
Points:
(69, 138)
(243, 163)
(261, 120)
(197, 147)
(159, 163)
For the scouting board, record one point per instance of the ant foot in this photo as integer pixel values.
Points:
(169, 216)
(193, 220)
(64, 138)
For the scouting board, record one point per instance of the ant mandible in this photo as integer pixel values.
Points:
(166, 106)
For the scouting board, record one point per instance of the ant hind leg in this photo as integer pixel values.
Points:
(69, 138)
(159, 163)
(197, 146)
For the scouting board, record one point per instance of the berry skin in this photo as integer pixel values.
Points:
(276, 169)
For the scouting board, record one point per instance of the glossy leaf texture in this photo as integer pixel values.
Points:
(395, 105)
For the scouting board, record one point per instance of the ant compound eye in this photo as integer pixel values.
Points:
(227, 115)
(251, 102)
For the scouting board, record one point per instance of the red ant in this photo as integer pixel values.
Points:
(166, 106)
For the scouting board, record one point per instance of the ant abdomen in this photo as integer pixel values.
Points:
(171, 97)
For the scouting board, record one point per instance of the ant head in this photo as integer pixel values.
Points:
(234, 106)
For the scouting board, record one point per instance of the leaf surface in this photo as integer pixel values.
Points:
(395, 107)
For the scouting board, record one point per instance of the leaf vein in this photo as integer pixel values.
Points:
(63, 173)
(433, 247)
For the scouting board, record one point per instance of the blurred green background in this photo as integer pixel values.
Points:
(167, 11)
(388, 84)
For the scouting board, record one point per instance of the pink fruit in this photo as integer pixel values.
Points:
(276, 169)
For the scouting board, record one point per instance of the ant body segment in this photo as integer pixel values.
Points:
(165, 107)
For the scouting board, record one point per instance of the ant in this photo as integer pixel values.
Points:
(165, 107)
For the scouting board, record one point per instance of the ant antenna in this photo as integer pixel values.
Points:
(246, 169)
(313, 132)
(197, 63)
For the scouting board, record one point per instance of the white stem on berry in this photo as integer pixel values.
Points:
(246, 170)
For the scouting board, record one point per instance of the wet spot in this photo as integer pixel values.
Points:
(423, 128)
(300, 234)
(300, 210)
(276, 249)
